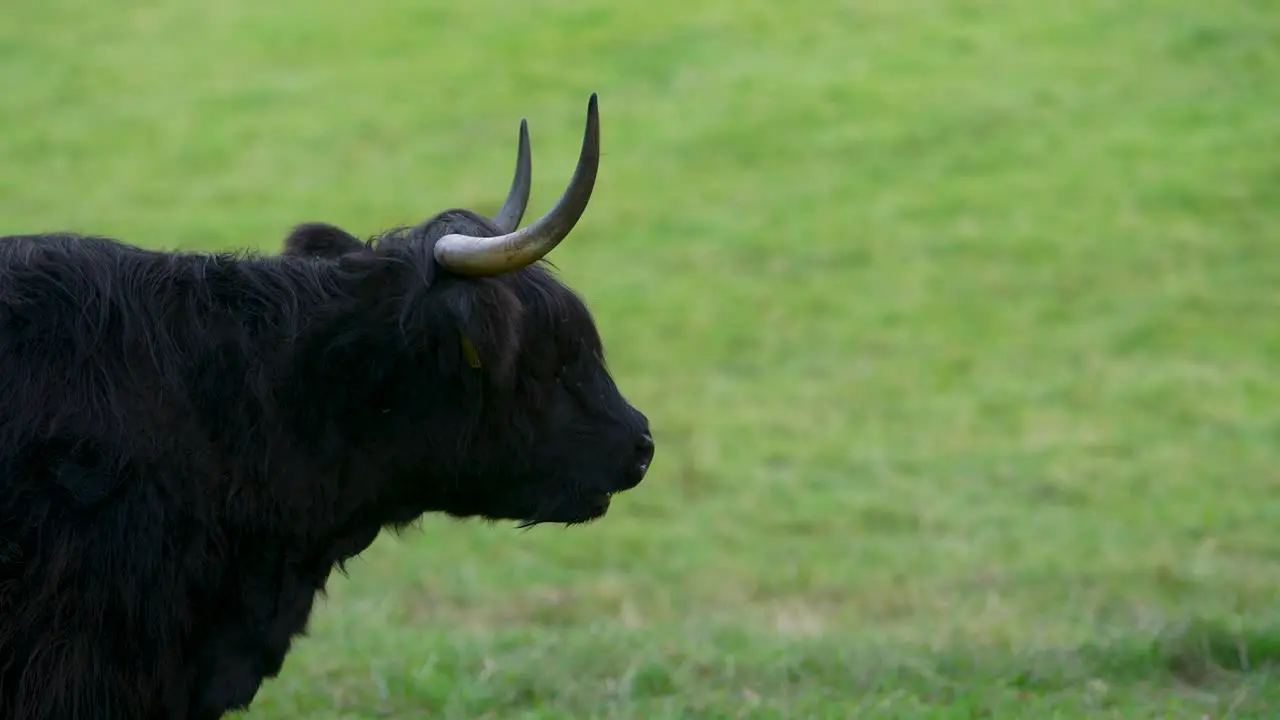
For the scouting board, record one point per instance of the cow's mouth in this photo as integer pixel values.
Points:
(581, 509)
(600, 501)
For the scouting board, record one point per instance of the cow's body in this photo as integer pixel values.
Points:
(149, 477)
(189, 444)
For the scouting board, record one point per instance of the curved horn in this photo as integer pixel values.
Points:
(468, 255)
(508, 218)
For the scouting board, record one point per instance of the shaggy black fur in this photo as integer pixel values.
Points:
(189, 444)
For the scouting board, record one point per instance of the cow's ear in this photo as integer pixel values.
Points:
(321, 240)
(487, 317)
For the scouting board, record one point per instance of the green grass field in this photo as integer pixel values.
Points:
(957, 321)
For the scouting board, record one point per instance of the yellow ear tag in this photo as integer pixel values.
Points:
(469, 351)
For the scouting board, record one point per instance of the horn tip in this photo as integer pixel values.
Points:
(593, 120)
(523, 140)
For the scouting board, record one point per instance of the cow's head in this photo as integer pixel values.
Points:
(493, 398)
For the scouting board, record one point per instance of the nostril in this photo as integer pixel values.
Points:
(640, 463)
(644, 449)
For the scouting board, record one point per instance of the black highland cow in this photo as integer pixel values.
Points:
(190, 443)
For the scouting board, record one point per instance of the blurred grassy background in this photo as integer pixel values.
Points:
(956, 320)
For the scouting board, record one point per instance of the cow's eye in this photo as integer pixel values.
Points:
(563, 375)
